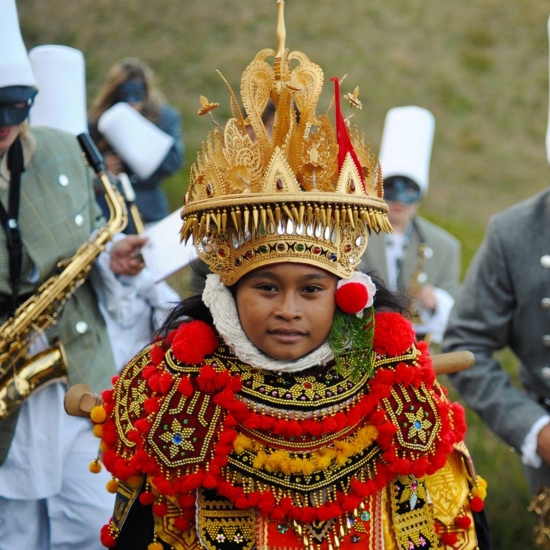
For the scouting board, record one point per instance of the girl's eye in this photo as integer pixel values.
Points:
(266, 287)
(312, 289)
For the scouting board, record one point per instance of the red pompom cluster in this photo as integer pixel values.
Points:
(352, 297)
(393, 334)
(193, 341)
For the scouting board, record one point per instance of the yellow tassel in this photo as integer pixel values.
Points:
(135, 481)
(95, 466)
(97, 430)
(155, 546)
(98, 414)
(112, 486)
(241, 444)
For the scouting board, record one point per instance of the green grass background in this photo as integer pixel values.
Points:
(480, 66)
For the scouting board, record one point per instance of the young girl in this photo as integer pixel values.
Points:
(289, 406)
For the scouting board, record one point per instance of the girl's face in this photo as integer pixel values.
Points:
(286, 309)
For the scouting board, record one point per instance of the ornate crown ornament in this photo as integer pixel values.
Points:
(309, 193)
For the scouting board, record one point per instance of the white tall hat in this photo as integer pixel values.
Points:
(15, 68)
(138, 142)
(406, 146)
(61, 81)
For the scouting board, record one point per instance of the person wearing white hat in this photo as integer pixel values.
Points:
(133, 307)
(419, 259)
(47, 212)
(138, 133)
(504, 302)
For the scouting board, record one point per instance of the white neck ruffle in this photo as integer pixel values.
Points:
(219, 300)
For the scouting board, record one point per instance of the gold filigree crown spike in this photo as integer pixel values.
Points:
(308, 191)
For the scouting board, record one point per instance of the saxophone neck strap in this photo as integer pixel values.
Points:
(9, 219)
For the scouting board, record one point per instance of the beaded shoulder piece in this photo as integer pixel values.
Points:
(304, 449)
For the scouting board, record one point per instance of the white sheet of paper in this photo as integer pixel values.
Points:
(164, 255)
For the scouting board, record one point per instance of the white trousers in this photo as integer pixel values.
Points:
(69, 520)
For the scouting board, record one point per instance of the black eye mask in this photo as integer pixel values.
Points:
(131, 92)
(15, 104)
(401, 189)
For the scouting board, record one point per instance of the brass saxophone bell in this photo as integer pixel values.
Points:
(17, 383)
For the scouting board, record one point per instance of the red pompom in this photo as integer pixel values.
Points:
(107, 396)
(463, 522)
(160, 510)
(143, 425)
(148, 371)
(187, 501)
(147, 498)
(106, 538)
(165, 382)
(352, 297)
(207, 378)
(133, 436)
(151, 405)
(185, 387)
(181, 523)
(209, 482)
(449, 538)
(393, 334)
(476, 504)
(157, 355)
(193, 341)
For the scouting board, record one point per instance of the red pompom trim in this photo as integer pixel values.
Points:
(393, 334)
(160, 510)
(146, 498)
(106, 538)
(476, 504)
(449, 538)
(352, 297)
(181, 523)
(193, 341)
(463, 522)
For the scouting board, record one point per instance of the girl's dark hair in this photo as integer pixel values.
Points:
(193, 308)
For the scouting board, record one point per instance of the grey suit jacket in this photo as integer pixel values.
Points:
(505, 301)
(442, 269)
(57, 214)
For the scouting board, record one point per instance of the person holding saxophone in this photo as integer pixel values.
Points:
(419, 259)
(49, 215)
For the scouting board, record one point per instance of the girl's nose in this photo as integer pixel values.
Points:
(288, 306)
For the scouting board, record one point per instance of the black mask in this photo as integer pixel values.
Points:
(401, 189)
(15, 104)
(131, 91)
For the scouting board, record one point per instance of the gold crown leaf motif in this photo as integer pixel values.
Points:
(297, 195)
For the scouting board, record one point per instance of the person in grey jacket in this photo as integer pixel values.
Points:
(419, 259)
(131, 81)
(505, 302)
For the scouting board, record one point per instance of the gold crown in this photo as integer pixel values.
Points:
(299, 195)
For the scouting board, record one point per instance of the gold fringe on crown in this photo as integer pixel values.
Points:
(281, 198)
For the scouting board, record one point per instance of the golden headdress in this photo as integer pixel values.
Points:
(310, 193)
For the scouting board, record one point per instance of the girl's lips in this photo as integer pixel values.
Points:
(287, 336)
(5, 131)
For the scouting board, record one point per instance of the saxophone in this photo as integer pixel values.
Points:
(21, 375)
(418, 279)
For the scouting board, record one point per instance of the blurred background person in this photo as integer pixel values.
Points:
(48, 499)
(133, 307)
(419, 259)
(504, 303)
(145, 142)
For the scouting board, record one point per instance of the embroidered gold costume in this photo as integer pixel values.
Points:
(311, 459)
(353, 445)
